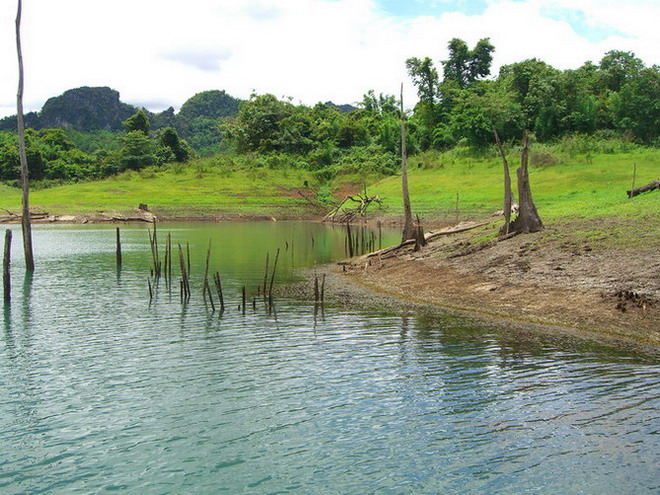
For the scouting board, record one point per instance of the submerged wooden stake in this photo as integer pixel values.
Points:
(272, 278)
(118, 254)
(218, 288)
(243, 306)
(266, 274)
(6, 274)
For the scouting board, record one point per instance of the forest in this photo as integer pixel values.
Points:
(609, 106)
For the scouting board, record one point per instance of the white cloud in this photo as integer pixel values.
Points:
(160, 52)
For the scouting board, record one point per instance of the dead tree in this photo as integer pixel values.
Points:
(508, 194)
(528, 219)
(25, 221)
(648, 187)
(408, 229)
(344, 214)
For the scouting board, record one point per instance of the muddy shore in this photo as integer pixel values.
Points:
(558, 280)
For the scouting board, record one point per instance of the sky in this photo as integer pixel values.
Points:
(159, 53)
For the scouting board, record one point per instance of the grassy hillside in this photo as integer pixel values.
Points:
(200, 188)
(579, 187)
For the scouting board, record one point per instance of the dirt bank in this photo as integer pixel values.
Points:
(594, 278)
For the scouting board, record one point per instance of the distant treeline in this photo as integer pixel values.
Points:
(89, 133)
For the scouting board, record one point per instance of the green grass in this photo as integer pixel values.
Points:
(195, 189)
(578, 187)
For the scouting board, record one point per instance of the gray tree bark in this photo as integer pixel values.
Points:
(25, 181)
(528, 219)
(408, 229)
(508, 194)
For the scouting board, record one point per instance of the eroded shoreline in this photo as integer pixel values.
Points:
(560, 281)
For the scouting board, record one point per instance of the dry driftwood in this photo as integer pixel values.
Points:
(350, 214)
(462, 227)
(648, 187)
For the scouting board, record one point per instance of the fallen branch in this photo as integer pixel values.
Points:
(350, 214)
(428, 237)
(648, 187)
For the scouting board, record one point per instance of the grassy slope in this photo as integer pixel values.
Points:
(577, 188)
(185, 191)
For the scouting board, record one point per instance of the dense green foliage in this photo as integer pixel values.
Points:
(87, 133)
(620, 94)
(54, 157)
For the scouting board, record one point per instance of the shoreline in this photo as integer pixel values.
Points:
(588, 280)
(557, 281)
(539, 279)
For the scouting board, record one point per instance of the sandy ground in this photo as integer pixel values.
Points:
(591, 285)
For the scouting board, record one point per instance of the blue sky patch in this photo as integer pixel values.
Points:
(580, 23)
(414, 8)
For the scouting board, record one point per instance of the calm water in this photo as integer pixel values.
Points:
(101, 390)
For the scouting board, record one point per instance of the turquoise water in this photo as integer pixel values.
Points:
(103, 389)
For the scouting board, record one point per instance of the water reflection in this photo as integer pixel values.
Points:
(103, 389)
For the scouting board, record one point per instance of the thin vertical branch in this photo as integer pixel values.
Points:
(6, 263)
(508, 193)
(25, 180)
(407, 212)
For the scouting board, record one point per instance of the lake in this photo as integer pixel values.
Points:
(104, 389)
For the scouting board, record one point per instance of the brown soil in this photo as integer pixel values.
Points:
(580, 277)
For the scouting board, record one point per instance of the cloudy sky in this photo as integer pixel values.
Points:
(158, 53)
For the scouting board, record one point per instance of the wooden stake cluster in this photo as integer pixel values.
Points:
(153, 242)
(363, 241)
(6, 274)
(167, 263)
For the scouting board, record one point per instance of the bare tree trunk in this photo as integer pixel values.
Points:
(528, 218)
(508, 194)
(25, 223)
(408, 229)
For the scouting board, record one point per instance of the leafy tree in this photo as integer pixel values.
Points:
(424, 77)
(265, 124)
(138, 122)
(464, 66)
(618, 67)
(138, 152)
(636, 107)
(180, 149)
(536, 87)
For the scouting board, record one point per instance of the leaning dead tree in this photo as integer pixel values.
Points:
(408, 228)
(344, 213)
(508, 194)
(25, 221)
(528, 219)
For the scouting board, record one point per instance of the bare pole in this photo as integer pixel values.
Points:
(508, 194)
(6, 274)
(407, 212)
(25, 221)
